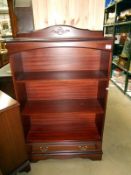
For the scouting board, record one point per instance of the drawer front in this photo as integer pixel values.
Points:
(39, 148)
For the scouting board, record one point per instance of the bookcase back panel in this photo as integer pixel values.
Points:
(55, 59)
(64, 89)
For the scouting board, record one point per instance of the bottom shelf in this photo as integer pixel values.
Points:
(63, 120)
(63, 133)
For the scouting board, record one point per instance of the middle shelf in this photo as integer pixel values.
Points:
(62, 106)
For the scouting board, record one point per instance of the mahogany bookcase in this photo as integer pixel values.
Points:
(61, 77)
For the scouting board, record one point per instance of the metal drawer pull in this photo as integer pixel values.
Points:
(44, 148)
(83, 148)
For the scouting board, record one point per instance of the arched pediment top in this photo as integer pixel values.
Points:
(62, 31)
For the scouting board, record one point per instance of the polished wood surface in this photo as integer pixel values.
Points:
(66, 146)
(71, 89)
(60, 106)
(13, 156)
(61, 77)
(23, 46)
(66, 132)
(62, 31)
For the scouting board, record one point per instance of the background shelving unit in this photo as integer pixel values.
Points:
(5, 26)
(5, 29)
(119, 26)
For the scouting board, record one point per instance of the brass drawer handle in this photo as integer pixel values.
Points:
(83, 148)
(43, 148)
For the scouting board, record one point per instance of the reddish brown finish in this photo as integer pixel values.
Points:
(13, 156)
(60, 76)
(70, 146)
(62, 89)
(30, 45)
(63, 132)
(73, 60)
(63, 31)
(64, 150)
(62, 106)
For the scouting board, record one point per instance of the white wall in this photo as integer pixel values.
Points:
(87, 14)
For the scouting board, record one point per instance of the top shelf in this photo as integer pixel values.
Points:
(60, 75)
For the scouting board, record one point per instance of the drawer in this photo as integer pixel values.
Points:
(65, 147)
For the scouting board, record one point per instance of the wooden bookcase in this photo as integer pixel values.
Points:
(61, 76)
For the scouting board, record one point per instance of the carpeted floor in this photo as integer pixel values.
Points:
(116, 145)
